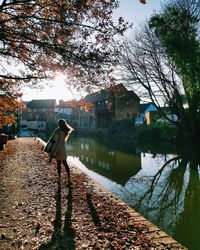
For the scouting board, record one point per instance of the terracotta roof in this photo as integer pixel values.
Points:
(41, 103)
(116, 90)
(98, 96)
(66, 104)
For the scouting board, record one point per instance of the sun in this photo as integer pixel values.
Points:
(59, 90)
(56, 89)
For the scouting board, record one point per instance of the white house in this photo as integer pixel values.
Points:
(64, 109)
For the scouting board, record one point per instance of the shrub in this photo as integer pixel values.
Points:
(155, 132)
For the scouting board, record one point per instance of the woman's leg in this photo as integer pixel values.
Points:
(66, 166)
(59, 168)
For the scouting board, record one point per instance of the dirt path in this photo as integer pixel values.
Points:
(39, 211)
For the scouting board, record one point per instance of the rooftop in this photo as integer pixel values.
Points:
(117, 90)
(41, 103)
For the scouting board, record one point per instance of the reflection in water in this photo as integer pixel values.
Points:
(115, 165)
(189, 220)
(164, 186)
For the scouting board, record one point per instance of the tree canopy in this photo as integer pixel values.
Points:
(39, 37)
(164, 60)
(9, 108)
(178, 28)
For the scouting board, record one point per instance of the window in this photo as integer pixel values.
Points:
(81, 121)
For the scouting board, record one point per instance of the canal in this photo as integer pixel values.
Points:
(160, 181)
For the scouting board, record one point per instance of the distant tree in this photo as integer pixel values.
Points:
(178, 27)
(146, 67)
(162, 63)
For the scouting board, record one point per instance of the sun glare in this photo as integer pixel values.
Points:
(57, 89)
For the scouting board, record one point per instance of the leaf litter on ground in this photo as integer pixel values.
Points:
(39, 211)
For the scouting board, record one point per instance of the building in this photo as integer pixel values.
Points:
(144, 113)
(65, 109)
(23, 115)
(39, 112)
(127, 106)
(85, 115)
(107, 107)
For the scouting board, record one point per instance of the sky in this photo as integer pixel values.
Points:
(132, 11)
(135, 12)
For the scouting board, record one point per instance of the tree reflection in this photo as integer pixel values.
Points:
(189, 220)
(172, 200)
(166, 193)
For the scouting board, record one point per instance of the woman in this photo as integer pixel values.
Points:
(56, 145)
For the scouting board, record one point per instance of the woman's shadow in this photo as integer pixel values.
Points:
(94, 213)
(62, 239)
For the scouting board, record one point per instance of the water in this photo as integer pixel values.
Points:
(160, 181)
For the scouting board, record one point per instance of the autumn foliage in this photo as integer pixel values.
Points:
(40, 37)
(9, 108)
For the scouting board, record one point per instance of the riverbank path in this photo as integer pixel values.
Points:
(40, 211)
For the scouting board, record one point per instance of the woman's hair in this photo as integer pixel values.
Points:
(63, 126)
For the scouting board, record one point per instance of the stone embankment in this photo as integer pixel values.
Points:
(40, 211)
